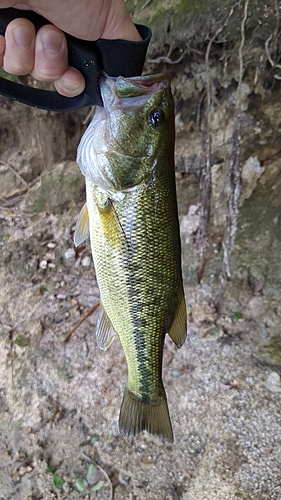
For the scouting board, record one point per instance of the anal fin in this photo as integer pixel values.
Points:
(178, 328)
(105, 333)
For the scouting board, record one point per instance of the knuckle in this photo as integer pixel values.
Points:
(16, 70)
(17, 66)
(46, 74)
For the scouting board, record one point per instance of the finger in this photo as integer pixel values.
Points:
(2, 49)
(51, 54)
(51, 62)
(8, 3)
(21, 6)
(19, 52)
(71, 83)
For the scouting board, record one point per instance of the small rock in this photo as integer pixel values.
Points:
(86, 261)
(201, 311)
(251, 173)
(213, 332)
(190, 222)
(77, 262)
(69, 257)
(273, 349)
(43, 264)
(50, 256)
(24, 470)
(273, 382)
(148, 460)
(35, 328)
(61, 296)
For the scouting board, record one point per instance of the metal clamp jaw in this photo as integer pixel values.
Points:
(113, 57)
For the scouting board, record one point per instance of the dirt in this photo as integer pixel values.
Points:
(60, 400)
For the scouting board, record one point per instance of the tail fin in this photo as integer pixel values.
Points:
(152, 416)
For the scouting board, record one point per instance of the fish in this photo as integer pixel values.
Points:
(130, 214)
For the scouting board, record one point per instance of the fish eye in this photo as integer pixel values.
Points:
(156, 117)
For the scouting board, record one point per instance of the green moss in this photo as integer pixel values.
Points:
(21, 341)
(154, 12)
(273, 349)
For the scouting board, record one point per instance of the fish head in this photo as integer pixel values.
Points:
(139, 111)
(128, 136)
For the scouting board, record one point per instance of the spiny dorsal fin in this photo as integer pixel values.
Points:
(178, 328)
(137, 416)
(82, 227)
(105, 333)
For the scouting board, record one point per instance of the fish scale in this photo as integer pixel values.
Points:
(134, 232)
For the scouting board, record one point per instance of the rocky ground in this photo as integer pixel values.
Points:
(60, 399)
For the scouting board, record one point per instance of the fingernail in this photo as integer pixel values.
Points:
(52, 41)
(69, 88)
(23, 36)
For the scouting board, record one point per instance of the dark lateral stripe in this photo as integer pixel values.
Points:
(148, 373)
(140, 341)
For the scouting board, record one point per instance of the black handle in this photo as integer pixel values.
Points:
(115, 57)
(81, 55)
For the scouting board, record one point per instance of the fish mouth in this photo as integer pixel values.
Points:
(130, 92)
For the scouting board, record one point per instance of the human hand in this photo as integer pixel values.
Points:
(44, 55)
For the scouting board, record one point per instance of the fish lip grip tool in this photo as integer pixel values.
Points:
(112, 57)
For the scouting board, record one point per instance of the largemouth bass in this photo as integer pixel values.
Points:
(127, 157)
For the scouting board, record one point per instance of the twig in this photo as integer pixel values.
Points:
(241, 47)
(207, 55)
(108, 479)
(146, 4)
(199, 109)
(18, 176)
(270, 60)
(103, 472)
(28, 316)
(89, 115)
(40, 142)
(167, 59)
(6, 327)
(95, 306)
(12, 200)
(274, 38)
(50, 419)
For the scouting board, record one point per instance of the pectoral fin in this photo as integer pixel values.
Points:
(82, 227)
(178, 328)
(105, 333)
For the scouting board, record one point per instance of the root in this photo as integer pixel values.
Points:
(81, 320)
